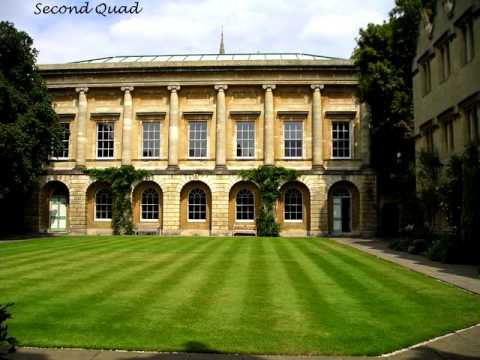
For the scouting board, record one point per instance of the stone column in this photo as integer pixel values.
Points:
(365, 133)
(317, 127)
(268, 134)
(81, 126)
(220, 123)
(173, 127)
(127, 125)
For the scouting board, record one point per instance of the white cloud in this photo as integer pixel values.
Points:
(326, 27)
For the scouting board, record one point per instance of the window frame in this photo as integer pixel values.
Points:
(350, 139)
(250, 122)
(236, 207)
(188, 206)
(156, 157)
(285, 206)
(150, 220)
(426, 75)
(293, 121)
(472, 118)
(201, 121)
(52, 156)
(445, 68)
(98, 123)
(468, 40)
(95, 206)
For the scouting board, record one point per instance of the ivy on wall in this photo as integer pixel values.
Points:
(121, 180)
(269, 180)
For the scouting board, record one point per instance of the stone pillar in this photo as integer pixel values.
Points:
(127, 125)
(268, 135)
(317, 127)
(173, 127)
(81, 126)
(365, 133)
(220, 123)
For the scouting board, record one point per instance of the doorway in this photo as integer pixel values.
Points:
(342, 211)
(58, 213)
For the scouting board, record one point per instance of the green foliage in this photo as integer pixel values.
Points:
(28, 123)
(121, 180)
(471, 201)
(451, 192)
(429, 170)
(269, 180)
(384, 54)
(7, 343)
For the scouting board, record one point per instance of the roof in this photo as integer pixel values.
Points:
(205, 57)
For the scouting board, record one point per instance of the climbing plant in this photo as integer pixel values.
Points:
(121, 180)
(269, 180)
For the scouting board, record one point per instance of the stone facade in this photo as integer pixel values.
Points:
(316, 93)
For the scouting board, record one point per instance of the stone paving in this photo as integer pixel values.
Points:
(461, 345)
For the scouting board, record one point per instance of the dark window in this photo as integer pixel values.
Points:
(151, 140)
(103, 204)
(293, 139)
(245, 205)
(197, 205)
(293, 204)
(149, 205)
(341, 139)
(197, 136)
(245, 139)
(62, 152)
(105, 140)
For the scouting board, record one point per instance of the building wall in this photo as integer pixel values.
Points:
(316, 94)
(449, 98)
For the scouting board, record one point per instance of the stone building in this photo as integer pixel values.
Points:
(194, 121)
(446, 80)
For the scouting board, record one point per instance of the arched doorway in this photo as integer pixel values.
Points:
(196, 208)
(343, 203)
(56, 207)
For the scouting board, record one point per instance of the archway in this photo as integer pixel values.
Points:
(343, 208)
(147, 201)
(293, 207)
(196, 207)
(243, 207)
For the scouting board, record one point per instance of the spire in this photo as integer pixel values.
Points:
(222, 47)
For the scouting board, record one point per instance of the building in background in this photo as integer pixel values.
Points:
(195, 121)
(446, 80)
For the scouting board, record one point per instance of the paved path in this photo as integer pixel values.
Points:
(462, 345)
(463, 276)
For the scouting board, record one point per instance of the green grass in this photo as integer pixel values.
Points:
(248, 295)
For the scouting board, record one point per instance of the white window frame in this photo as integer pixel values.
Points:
(350, 139)
(290, 120)
(285, 204)
(96, 140)
(254, 139)
(95, 206)
(188, 207)
(142, 219)
(207, 140)
(52, 157)
(159, 141)
(254, 210)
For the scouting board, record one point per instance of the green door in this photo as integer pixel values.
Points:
(58, 213)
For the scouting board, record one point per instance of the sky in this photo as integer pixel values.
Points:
(321, 27)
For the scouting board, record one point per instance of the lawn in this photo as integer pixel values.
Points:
(247, 295)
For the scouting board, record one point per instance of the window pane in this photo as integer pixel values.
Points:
(149, 205)
(293, 205)
(105, 140)
(62, 152)
(246, 139)
(197, 205)
(197, 144)
(341, 139)
(245, 207)
(151, 139)
(103, 204)
(293, 139)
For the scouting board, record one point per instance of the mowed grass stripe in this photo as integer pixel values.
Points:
(74, 305)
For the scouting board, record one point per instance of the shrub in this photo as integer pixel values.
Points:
(7, 343)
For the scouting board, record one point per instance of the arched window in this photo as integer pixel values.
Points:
(103, 204)
(197, 205)
(245, 205)
(293, 205)
(149, 205)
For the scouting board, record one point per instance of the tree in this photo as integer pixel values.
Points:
(28, 124)
(7, 342)
(121, 180)
(269, 180)
(384, 54)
